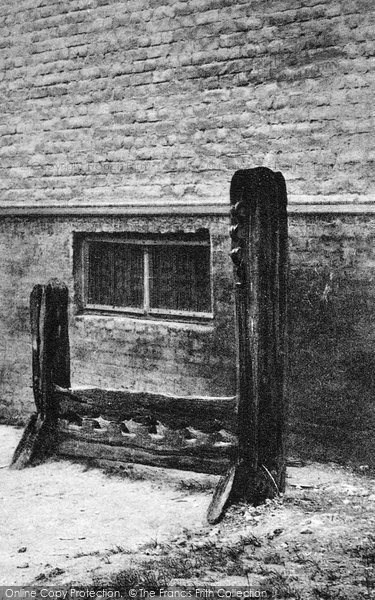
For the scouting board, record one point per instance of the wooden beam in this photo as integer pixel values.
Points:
(152, 443)
(260, 255)
(178, 459)
(176, 412)
(50, 363)
(37, 298)
(258, 198)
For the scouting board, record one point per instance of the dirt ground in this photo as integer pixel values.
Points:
(60, 517)
(63, 523)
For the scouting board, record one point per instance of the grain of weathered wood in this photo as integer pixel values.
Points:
(126, 454)
(57, 294)
(205, 413)
(259, 252)
(25, 450)
(221, 495)
(54, 345)
(35, 308)
(50, 363)
(261, 324)
(153, 443)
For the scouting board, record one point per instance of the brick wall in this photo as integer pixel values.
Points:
(111, 103)
(332, 338)
(112, 351)
(105, 101)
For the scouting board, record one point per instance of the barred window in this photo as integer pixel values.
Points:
(157, 274)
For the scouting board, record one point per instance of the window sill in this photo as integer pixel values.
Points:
(162, 320)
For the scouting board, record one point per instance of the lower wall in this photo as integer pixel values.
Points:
(332, 338)
(112, 351)
(331, 332)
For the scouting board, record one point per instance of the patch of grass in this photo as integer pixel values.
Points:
(119, 550)
(14, 421)
(42, 577)
(116, 550)
(194, 557)
(126, 472)
(273, 558)
(153, 544)
(194, 486)
(151, 580)
(186, 563)
(328, 591)
(282, 586)
(82, 554)
(364, 551)
(311, 502)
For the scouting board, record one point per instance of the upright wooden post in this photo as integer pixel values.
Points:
(54, 355)
(50, 366)
(260, 255)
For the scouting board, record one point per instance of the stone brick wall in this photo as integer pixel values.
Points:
(141, 101)
(331, 338)
(111, 104)
(112, 351)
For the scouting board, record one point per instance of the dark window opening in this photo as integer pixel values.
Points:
(114, 274)
(159, 274)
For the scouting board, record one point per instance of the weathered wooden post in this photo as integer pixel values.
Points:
(50, 366)
(260, 255)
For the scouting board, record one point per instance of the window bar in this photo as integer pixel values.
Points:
(85, 272)
(146, 280)
(113, 283)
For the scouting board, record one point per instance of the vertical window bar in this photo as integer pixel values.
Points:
(129, 275)
(112, 265)
(146, 279)
(85, 271)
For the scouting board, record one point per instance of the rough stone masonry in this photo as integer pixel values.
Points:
(134, 103)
